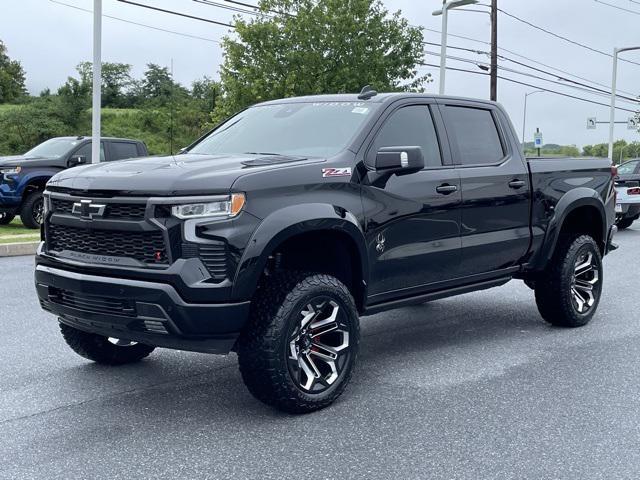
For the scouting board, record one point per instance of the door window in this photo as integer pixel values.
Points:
(627, 168)
(411, 126)
(121, 150)
(476, 135)
(85, 151)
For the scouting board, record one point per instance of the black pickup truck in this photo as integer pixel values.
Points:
(271, 235)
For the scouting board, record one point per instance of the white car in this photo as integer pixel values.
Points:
(627, 205)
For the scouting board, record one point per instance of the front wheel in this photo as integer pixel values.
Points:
(568, 292)
(104, 350)
(299, 349)
(32, 212)
(6, 218)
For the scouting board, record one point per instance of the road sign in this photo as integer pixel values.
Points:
(632, 124)
(591, 123)
(537, 140)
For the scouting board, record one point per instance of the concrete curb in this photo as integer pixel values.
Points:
(16, 249)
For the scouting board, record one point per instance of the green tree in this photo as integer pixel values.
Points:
(12, 77)
(73, 100)
(158, 86)
(116, 82)
(301, 47)
(205, 92)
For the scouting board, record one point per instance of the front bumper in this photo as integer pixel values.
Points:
(9, 201)
(141, 311)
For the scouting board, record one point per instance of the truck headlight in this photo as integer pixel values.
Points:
(10, 170)
(228, 207)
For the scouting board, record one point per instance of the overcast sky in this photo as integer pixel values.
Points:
(51, 39)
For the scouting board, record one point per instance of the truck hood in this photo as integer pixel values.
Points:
(186, 174)
(22, 161)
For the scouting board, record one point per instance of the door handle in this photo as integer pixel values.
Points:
(516, 183)
(446, 189)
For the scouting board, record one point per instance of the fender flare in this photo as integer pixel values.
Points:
(286, 223)
(576, 198)
(31, 178)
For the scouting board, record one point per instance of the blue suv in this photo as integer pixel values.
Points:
(23, 177)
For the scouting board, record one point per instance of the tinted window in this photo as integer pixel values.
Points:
(122, 150)
(476, 135)
(627, 168)
(410, 127)
(85, 151)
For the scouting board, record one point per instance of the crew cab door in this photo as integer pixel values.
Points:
(413, 220)
(495, 187)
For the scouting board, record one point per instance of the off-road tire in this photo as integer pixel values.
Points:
(6, 218)
(28, 213)
(100, 350)
(263, 347)
(553, 288)
(624, 223)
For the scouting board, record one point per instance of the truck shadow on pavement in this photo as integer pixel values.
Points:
(436, 341)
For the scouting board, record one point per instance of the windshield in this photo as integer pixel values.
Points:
(318, 129)
(56, 147)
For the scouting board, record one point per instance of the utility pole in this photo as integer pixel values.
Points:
(494, 50)
(97, 81)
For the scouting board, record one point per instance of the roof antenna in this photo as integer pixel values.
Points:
(366, 93)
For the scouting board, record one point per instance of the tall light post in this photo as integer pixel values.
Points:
(614, 78)
(524, 117)
(446, 6)
(97, 81)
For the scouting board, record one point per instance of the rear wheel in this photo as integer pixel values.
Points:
(32, 212)
(300, 346)
(624, 223)
(6, 218)
(104, 350)
(568, 293)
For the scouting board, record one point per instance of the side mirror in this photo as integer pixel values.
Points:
(76, 160)
(399, 160)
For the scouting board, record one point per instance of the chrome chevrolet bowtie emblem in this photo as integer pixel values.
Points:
(87, 209)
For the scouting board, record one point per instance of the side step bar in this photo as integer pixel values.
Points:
(427, 297)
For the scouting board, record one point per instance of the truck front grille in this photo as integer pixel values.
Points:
(146, 247)
(126, 211)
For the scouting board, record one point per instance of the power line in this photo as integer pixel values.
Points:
(529, 85)
(209, 2)
(502, 57)
(581, 87)
(257, 7)
(227, 7)
(138, 24)
(561, 37)
(619, 8)
(519, 55)
(172, 12)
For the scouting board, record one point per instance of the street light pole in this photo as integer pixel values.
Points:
(446, 6)
(614, 78)
(524, 117)
(493, 88)
(97, 81)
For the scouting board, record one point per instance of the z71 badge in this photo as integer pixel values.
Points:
(336, 172)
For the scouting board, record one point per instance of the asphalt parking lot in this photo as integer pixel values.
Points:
(470, 387)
